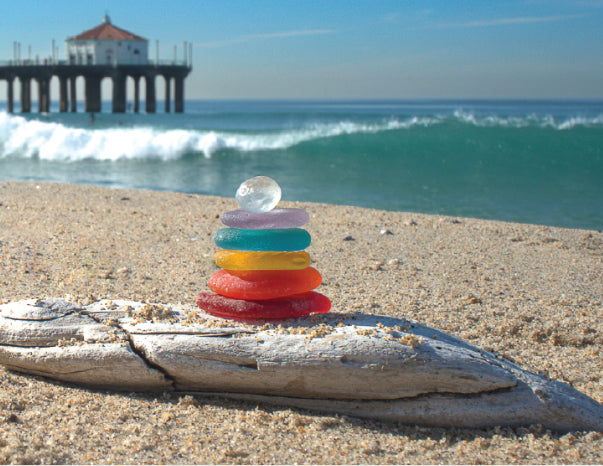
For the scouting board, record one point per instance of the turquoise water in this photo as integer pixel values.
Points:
(525, 161)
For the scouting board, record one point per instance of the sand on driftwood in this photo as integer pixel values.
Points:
(530, 294)
(361, 365)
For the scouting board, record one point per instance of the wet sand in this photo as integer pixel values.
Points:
(531, 294)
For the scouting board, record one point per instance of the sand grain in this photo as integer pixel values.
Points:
(532, 294)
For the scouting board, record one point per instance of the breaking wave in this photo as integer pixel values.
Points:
(53, 141)
(532, 120)
(31, 138)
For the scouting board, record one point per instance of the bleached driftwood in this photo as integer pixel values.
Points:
(359, 365)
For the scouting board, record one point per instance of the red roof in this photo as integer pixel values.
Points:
(106, 31)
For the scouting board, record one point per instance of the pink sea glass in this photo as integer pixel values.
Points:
(281, 308)
(264, 284)
(275, 218)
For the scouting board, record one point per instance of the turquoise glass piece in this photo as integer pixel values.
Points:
(274, 239)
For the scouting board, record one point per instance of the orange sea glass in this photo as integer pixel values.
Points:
(264, 284)
(281, 308)
(261, 260)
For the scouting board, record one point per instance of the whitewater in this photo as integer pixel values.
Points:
(536, 162)
(21, 137)
(24, 137)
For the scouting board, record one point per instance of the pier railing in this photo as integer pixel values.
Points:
(52, 62)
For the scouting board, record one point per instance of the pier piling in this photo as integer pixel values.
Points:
(72, 95)
(136, 93)
(43, 94)
(92, 102)
(119, 93)
(63, 94)
(9, 95)
(150, 102)
(67, 74)
(167, 94)
(179, 95)
(25, 94)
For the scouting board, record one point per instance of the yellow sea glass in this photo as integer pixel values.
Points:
(261, 260)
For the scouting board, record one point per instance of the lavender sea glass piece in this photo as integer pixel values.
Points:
(276, 218)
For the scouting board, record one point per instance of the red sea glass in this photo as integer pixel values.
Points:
(264, 284)
(281, 308)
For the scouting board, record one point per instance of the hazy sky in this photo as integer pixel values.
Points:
(345, 48)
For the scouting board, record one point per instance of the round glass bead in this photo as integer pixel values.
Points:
(259, 194)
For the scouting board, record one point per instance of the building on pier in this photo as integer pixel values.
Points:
(107, 45)
(105, 51)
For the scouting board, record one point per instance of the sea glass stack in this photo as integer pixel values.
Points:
(265, 272)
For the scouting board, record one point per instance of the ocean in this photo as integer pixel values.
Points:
(537, 162)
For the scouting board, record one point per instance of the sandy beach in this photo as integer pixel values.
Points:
(531, 294)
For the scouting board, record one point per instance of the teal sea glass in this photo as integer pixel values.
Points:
(274, 239)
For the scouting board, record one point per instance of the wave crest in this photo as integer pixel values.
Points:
(21, 137)
(53, 141)
(531, 120)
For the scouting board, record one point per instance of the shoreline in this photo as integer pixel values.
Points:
(529, 293)
(384, 209)
(524, 161)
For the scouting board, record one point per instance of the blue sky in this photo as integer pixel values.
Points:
(346, 48)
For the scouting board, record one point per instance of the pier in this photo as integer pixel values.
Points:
(173, 74)
(104, 51)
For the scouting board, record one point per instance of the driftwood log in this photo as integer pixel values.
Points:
(353, 364)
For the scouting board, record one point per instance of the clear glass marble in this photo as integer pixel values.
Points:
(258, 194)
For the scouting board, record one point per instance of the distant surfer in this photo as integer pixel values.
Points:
(91, 118)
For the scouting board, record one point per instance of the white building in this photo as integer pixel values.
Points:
(107, 45)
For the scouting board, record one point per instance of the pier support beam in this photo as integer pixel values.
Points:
(10, 97)
(25, 94)
(179, 95)
(72, 94)
(40, 95)
(119, 93)
(43, 94)
(136, 93)
(62, 94)
(167, 94)
(46, 95)
(150, 102)
(93, 94)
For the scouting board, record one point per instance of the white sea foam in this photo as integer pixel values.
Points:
(21, 137)
(531, 120)
(53, 141)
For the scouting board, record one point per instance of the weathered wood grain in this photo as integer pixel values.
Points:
(360, 365)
